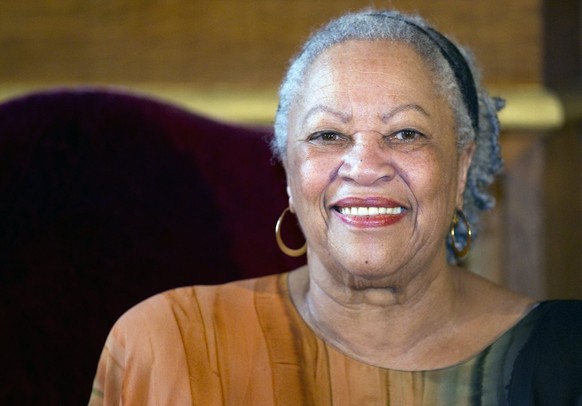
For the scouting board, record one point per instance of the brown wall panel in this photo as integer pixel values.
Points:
(246, 43)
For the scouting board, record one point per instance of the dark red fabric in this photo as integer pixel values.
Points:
(107, 198)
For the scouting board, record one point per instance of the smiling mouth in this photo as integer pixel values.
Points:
(369, 211)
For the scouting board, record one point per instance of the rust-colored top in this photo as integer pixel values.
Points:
(244, 343)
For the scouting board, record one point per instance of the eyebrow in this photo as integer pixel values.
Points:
(411, 106)
(326, 109)
(346, 117)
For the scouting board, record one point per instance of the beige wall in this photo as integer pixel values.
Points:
(237, 43)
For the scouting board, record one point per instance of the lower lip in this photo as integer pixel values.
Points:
(382, 220)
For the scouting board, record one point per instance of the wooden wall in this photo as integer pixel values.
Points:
(230, 42)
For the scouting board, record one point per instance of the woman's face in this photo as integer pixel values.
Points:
(373, 170)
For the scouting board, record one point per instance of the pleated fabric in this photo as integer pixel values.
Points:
(244, 343)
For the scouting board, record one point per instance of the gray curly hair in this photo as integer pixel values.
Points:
(483, 128)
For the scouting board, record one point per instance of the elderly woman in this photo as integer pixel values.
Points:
(389, 144)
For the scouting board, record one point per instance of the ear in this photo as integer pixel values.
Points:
(288, 188)
(465, 158)
(291, 209)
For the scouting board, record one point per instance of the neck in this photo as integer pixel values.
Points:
(390, 320)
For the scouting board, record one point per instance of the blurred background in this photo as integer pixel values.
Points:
(60, 291)
(207, 52)
(224, 58)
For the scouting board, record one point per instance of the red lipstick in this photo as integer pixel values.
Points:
(369, 212)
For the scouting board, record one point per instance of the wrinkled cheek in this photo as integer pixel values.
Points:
(435, 194)
(298, 189)
(309, 197)
(309, 201)
(310, 179)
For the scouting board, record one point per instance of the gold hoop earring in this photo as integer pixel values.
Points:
(460, 252)
(289, 251)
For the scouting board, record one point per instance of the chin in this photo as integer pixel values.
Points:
(371, 275)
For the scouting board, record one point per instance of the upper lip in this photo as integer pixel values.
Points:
(367, 202)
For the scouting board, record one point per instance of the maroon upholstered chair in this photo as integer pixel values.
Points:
(107, 198)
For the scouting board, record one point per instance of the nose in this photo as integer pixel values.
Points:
(367, 161)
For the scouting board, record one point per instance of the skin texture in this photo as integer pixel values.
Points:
(369, 129)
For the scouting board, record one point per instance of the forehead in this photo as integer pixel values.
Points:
(383, 62)
(372, 75)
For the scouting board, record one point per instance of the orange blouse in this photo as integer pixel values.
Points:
(244, 343)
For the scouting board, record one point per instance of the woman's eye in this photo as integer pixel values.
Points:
(326, 136)
(407, 139)
(406, 135)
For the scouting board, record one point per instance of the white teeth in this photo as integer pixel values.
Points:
(370, 211)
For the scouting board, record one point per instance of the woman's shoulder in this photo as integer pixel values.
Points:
(548, 369)
(153, 348)
(559, 320)
(566, 308)
(192, 314)
(555, 330)
(490, 306)
(190, 302)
